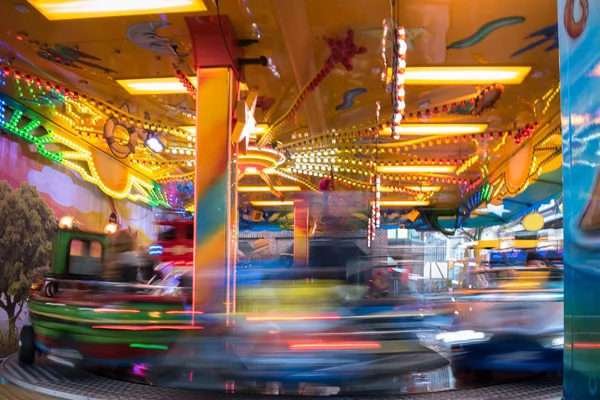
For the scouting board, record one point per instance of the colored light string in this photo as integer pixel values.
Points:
(369, 232)
(384, 50)
(461, 108)
(485, 193)
(468, 163)
(549, 97)
(376, 207)
(189, 162)
(377, 204)
(345, 139)
(185, 81)
(399, 92)
(525, 133)
(108, 109)
(535, 167)
(148, 192)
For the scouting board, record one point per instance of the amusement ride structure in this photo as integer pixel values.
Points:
(318, 117)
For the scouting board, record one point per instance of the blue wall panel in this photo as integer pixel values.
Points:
(579, 41)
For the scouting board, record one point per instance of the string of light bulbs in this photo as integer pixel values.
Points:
(399, 92)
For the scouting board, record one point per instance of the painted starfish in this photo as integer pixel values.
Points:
(343, 51)
(265, 103)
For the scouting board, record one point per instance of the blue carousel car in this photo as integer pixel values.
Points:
(510, 320)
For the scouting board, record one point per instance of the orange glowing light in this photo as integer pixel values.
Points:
(255, 171)
(335, 346)
(181, 312)
(416, 169)
(468, 75)
(437, 129)
(147, 327)
(115, 310)
(56, 10)
(585, 345)
(272, 203)
(147, 86)
(424, 188)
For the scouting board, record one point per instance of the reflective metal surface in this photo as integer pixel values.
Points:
(67, 383)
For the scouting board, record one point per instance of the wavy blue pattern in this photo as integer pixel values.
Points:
(349, 98)
(484, 31)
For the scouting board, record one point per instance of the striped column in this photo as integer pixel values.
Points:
(215, 241)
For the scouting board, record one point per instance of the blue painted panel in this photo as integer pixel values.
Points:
(579, 24)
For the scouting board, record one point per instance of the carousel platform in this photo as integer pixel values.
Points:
(46, 380)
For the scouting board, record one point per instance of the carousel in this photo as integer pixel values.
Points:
(328, 119)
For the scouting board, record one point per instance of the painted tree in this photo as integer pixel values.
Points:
(26, 228)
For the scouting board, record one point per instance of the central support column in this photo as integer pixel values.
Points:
(215, 193)
(301, 229)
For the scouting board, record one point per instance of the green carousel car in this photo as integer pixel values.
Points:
(78, 319)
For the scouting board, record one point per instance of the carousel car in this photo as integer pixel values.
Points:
(283, 331)
(387, 284)
(510, 320)
(76, 318)
(293, 330)
(323, 348)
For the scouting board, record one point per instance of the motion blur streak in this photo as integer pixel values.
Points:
(271, 318)
(174, 312)
(584, 345)
(147, 328)
(335, 346)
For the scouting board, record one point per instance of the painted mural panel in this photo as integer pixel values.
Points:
(65, 193)
(579, 23)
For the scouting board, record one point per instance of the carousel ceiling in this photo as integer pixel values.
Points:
(439, 106)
